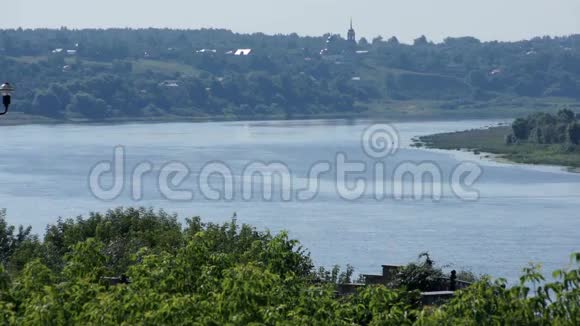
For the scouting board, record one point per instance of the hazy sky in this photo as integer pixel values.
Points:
(407, 19)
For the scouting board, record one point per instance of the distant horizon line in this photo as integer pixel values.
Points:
(3, 29)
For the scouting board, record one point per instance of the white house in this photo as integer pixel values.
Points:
(243, 52)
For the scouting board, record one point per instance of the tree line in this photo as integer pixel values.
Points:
(119, 73)
(545, 128)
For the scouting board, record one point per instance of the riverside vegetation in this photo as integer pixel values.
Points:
(210, 274)
(162, 74)
(540, 138)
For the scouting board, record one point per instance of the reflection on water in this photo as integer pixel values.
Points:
(524, 213)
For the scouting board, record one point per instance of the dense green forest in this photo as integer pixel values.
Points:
(231, 274)
(545, 128)
(150, 73)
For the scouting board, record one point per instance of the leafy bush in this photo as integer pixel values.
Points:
(211, 274)
(423, 276)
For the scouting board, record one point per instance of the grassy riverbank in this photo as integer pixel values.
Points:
(492, 140)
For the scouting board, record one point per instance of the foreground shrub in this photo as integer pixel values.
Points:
(209, 274)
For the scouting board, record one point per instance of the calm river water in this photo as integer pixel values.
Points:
(523, 214)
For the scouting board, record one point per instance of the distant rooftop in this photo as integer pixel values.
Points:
(243, 52)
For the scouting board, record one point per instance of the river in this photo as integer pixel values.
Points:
(523, 213)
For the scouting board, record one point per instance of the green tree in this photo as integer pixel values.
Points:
(88, 106)
(86, 262)
(46, 102)
(566, 116)
(230, 274)
(573, 133)
(10, 241)
(421, 41)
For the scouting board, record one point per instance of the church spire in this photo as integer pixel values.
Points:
(351, 36)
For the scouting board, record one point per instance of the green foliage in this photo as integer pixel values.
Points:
(544, 128)
(86, 105)
(230, 274)
(123, 232)
(532, 302)
(377, 305)
(423, 276)
(46, 102)
(573, 133)
(126, 73)
(86, 261)
(520, 128)
(16, 248)
(34, 276)
(335, 275)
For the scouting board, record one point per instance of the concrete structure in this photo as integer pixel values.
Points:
(445, 285)
(389, 273)
(436, 297)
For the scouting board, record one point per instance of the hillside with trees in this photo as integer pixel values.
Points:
(118, 74)
(141, 267)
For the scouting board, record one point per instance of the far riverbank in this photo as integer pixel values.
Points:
(490, 142)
